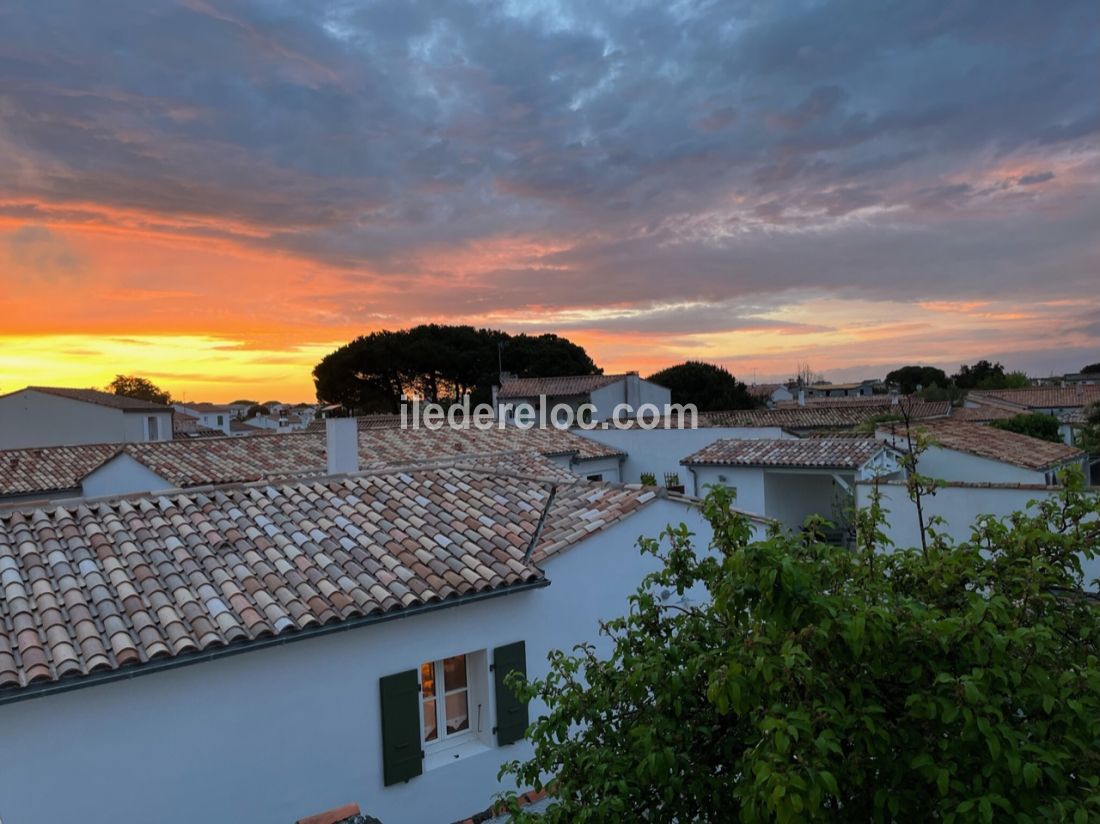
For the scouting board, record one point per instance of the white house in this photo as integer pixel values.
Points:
(261, 652)
(971, 453)
(771, 393)
(604, 392)
(59, 416)
(984, 470)
(840, 390)
(788, 480)
(211, 415)
(658, 451)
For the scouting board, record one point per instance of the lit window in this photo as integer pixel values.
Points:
(444, 699)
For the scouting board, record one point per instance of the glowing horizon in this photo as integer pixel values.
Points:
(706, 191)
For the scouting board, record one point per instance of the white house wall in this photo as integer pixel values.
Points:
(747, 482)
(269, 736)
(661, 450)
(136, 427)
(30, 418)
(606, 398)
(791, 497)
(959, 506)
(122, 475)
(949, 465)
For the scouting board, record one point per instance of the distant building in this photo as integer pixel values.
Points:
(210, 415)
(841, 390)
(771, 393)
(604, 392)
(60, 416)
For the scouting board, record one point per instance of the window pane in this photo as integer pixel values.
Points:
(427, 678)
(430, 731)
(458, 718)
(454, 673)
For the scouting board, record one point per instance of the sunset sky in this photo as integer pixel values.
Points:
(214, 195)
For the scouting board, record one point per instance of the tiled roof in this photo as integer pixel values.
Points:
(186, 463)
(820, 416)
(403, 445)
(1042, 397)
(824, 453)
(101, 398)
(195, 462)
(568, 385)
(108, 585)
(841, 400)
(50, 469)
(763, 390)
(583, 508)
(105, 585)
(983, 413)
(998, 444)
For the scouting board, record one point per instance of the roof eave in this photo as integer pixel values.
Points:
(163, 664)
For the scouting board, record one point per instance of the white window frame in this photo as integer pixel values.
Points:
(444, 739)
(152, 428)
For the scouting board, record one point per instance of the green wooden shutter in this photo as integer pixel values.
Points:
(402, 757)
(511, 712)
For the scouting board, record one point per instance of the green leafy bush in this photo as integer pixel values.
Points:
(958, 683)
(1035, 424)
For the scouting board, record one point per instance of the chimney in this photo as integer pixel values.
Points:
(801, 396)
(1080, 388)
(633, 391)
(342, 445)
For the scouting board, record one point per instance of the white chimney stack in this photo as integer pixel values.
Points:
(342, 445)
(801, 396)
(633, 391)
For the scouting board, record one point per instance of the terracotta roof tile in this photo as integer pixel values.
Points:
(565, 386)
(829, 413)
(161, 576)
(1042, 397)
(997, 444)
(826, 453)
(212, 461)
(104, 585)
(50, 469)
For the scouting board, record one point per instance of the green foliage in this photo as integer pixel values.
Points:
(257, 409)
(909, 378)
(804, 682)
(1090, 369)
(648, 479)
(439, 364)
(1014, 380)
(143, 389)
(979, 375)
(935, 392)
(1088, 436)
(1035, 424)
(986, 375)
(711, 388)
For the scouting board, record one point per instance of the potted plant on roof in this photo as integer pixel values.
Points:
(672, 482)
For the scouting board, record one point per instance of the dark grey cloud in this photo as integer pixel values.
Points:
(690, 154)
(39, 253)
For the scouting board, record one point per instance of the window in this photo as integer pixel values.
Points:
(450, 709)
(154, 429)
(444, 699)
(221, 420)
(597, 477)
